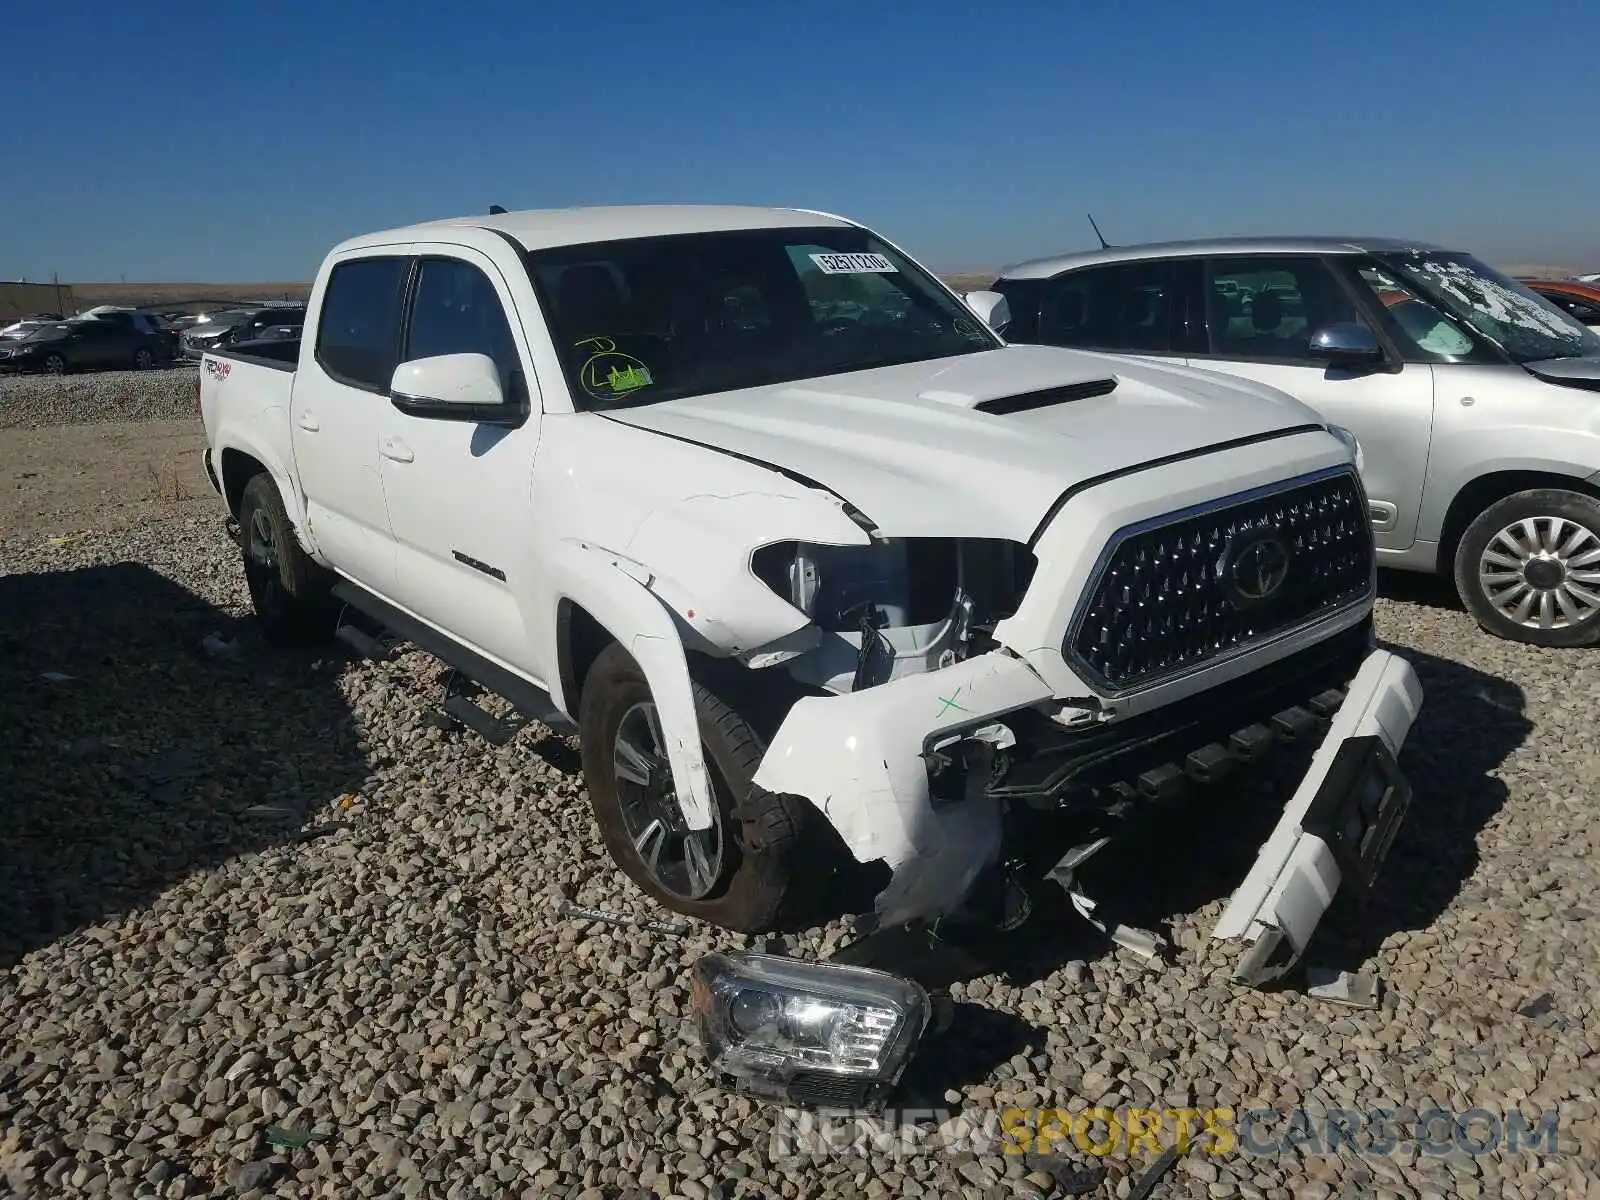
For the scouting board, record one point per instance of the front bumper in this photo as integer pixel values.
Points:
(927, 773)
(873, 768)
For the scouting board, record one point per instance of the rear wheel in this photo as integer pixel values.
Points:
(1528, 568)
(289, 591)
(735, 874)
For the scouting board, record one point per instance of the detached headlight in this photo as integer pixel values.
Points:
(815, 1034)
(1350, 439)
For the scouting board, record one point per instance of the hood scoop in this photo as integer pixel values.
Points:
(1027, 401)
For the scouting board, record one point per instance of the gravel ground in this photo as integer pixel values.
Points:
(243, 890)
(37, 401)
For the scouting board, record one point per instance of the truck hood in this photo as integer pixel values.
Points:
(981, 445)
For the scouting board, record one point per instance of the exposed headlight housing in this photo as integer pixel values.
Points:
(822, 1035)
(1350, 439)
(902, 581)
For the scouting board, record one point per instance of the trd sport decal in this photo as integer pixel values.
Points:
(218, 369)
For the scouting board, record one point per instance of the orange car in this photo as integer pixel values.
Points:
(1582, 300)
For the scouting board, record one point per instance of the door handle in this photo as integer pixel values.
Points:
(397, 450)
(307, 422)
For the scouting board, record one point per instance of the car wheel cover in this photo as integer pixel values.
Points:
(685, 862)
(1542, 573)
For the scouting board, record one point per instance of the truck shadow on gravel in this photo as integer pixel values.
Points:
(133, 754)
(1194, 854)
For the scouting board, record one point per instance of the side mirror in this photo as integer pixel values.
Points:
(453, 387)
(993, 309)
(1346, 343)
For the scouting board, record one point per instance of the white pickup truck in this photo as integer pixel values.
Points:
(794, 541)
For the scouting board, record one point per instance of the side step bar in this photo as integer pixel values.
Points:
(532, 701)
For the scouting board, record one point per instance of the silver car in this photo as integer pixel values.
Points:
(1476, 402)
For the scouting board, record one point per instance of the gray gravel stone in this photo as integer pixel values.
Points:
(38, 401)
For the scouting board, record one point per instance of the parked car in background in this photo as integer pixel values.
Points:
(149, 324)
(1472, 397)
(1577, 299)
(64, 346)
(23, 327)
(242, 325)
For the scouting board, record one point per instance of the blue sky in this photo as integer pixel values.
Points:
(237, 142)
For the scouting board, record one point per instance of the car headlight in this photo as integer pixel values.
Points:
(1349, 439)
(811, 1033)
(904, 581)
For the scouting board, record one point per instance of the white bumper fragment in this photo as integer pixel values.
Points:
(1340, 820)
(859, 759)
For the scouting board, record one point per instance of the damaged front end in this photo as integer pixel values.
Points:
(949, 744)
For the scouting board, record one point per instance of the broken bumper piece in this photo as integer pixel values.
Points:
(1337, 827)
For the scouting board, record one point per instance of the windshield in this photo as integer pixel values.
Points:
(648, 319)
(46, 333)
(1522, 323)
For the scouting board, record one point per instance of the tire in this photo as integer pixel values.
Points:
(289, 591)
(143, 359)
(55, 364)
(1539, 549)
(759, 832)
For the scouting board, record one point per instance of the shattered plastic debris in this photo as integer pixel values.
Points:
(66, 539)
(56, 677)
(568, 909)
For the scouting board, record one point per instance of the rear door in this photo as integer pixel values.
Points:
(1123, 308)
(339, 404)
(458, 493)
(1259, 314)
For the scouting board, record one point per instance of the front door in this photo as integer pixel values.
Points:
(1260, 313)
(340, 402)
(458, 492)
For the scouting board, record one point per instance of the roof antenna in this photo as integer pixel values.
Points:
(1104, 245)
(495, 210)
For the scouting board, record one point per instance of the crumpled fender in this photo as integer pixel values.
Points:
(610, 588)
(858, 759)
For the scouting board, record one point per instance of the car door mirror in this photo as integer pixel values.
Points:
(1346, 344)
(453, 387)
(992, 308)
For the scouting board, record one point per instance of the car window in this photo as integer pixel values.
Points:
(457, 311)
(1126, 307)
(1267, 307)
(642, 320)
(358, 332)
(1420, 328)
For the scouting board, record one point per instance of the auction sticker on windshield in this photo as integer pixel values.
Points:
(853, 264)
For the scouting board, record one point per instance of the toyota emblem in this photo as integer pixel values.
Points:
(1253, 567)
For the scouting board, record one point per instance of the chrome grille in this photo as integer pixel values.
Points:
(1175, 593)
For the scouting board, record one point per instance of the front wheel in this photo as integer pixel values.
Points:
(143, 360)
(737, 873)
(1528, 568)
(55, 364)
